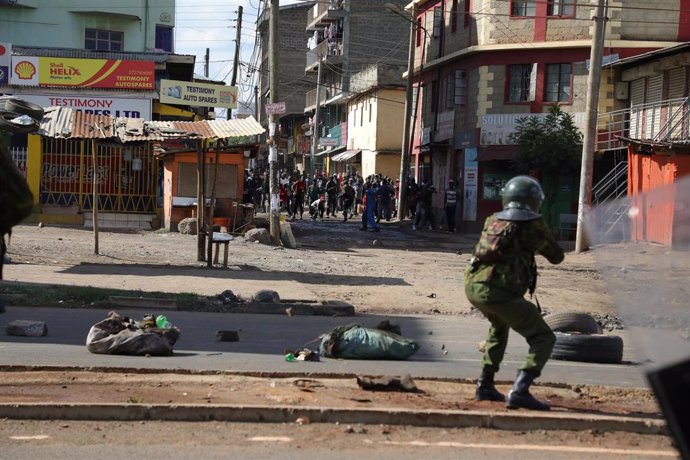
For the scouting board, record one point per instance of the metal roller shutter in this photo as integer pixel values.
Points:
(655, 86)
(636, 100)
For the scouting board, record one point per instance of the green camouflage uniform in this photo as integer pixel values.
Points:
(501, 272)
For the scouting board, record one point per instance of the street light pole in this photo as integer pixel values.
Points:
(591, 110)
(274, 217)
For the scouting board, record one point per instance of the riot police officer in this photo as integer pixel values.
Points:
(502, 270)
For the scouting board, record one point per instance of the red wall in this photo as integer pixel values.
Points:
(648, 174)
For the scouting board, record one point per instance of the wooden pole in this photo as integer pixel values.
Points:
(200, 201)
(94, 198)
(274, 218)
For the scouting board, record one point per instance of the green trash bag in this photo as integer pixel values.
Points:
(358, 342)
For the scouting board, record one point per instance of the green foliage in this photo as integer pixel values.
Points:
(550, 144)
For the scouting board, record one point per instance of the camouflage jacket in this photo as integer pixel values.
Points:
(504, 256)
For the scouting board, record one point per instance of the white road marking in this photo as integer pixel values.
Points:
(271, 439)
(30, 438)
(573, 449)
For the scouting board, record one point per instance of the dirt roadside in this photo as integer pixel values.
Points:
(396, 271)
(165, 388)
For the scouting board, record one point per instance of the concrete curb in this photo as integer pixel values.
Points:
(517, 421)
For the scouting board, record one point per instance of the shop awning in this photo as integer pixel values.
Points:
(331, 151)
(346, 155)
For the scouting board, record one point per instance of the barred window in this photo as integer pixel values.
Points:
(103, 40)
(558, 83)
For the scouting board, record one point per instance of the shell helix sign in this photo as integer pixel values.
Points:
(5, 53)
(89, 73)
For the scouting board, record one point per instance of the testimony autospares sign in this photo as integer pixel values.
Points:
(95, 105)
(198, 94)
(91, 73)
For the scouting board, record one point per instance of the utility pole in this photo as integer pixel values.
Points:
(590, 135)
(233, 82)
(406, 141)
(274, 217)
(316, 131)
(206, 62)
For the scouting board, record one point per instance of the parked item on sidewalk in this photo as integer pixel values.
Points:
(358, 342)
(403, 383)
(117, 335)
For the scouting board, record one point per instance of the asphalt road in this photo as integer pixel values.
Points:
(264, 337)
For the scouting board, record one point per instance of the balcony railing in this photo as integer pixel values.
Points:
(332, 50)
(324, 12)
(663, 121)
(310, 102)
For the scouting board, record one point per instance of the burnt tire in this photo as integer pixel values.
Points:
(588, 348)
(572, 321)
(6, 124)
(23, 107)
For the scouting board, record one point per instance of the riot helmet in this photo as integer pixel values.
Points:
(522, 198)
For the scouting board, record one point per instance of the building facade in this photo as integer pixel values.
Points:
(345, 38)
(481, 65)
(292, 139)
(94, 25)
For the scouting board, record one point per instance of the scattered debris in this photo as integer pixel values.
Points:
(266, 296)
(387, 326)
(432, 295)
(388, 383)
(260, 235)
(26, 328)
(303, 421)
(187, 226)
(229, 297)
(227, 336)
(302, 355)
(308, 384)
(481, 346)
(117, 335)
(358, 342)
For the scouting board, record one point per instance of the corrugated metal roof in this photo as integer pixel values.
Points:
(88, 126)
(200, 128)
(157, 57)
(236, 127)
(67, 123)
(56, 122)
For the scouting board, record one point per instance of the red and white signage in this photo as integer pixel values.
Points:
(96, 105)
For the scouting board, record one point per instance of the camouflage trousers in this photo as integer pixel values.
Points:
(506, 311)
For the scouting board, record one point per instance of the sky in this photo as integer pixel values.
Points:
(212, 24)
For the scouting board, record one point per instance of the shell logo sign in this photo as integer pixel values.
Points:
(25, 70)
(93, 73)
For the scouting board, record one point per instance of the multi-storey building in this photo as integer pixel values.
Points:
(293, 83)
(482, 64)
(345, 37)
(101, 25)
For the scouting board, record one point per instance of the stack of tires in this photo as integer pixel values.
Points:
(18, 116)
(579, 338)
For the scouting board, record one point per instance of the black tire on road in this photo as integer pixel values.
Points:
(572, 321)
(6, 124)
(23, 107)
(595, 348)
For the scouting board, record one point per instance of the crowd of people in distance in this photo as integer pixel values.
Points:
(324, 196)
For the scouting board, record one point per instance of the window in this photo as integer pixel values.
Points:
(454, 15)
(361, 116)
(558, 86)
(434, 96)
(460, 87)
(103, 40)
(561, 8)
(522, 82)
(370, 112)
(438, 21)
(523, 8)
(164, 38)
(354, 119)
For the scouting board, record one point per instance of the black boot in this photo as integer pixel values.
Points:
(486, 390)
(520, 397)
